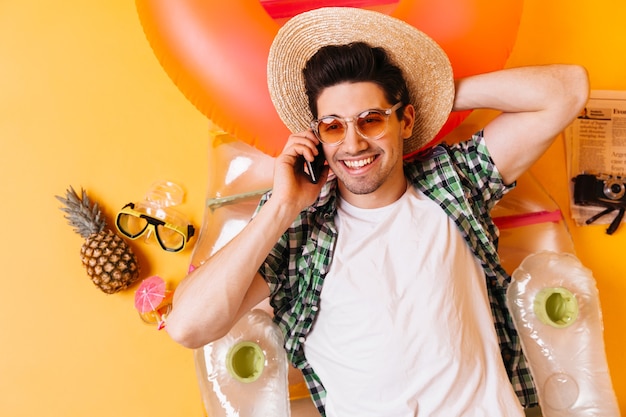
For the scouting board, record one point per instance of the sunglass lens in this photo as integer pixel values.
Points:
(331, 130)
(371, 124)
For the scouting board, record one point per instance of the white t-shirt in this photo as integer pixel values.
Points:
(404, 326)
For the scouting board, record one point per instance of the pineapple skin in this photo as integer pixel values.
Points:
(109, 261)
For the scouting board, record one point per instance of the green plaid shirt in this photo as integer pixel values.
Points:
(464, 181)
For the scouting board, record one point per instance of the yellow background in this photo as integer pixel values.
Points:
(84, 102)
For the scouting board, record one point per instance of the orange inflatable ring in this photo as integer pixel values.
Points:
(216, 53)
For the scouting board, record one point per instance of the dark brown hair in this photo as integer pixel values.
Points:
(353, 62)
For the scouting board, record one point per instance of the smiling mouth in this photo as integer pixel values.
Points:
(360, 163)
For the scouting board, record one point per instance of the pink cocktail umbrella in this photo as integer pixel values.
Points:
(150, 297)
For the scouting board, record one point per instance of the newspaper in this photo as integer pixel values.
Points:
(596, 145)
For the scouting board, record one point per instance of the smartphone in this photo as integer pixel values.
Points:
(315, 167)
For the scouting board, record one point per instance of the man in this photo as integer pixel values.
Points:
(385, 279)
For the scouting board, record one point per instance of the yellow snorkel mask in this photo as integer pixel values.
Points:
(155, 216)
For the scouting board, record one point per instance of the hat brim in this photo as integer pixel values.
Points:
(424, 64)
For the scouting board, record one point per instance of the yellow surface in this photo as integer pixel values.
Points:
(84, 102)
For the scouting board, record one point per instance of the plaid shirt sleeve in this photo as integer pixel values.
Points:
(295, 270)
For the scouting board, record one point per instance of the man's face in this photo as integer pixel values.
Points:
(370, 172)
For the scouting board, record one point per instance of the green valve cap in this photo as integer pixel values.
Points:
(245, 361)
(556, 307)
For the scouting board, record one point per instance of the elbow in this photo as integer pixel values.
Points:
(190, 335)
(183, 335)
(184, 338)
(578, 86)
(568, 94)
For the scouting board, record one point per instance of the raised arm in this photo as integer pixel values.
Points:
(209, 301)
(536, 102)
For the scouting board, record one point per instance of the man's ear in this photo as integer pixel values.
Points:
(408, 120)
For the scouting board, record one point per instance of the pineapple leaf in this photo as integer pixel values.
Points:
(85, 217)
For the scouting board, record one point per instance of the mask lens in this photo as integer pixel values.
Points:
(171, 239)
(131, 226)
(331, 129)
(371, 123)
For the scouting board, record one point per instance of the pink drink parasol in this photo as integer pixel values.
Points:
(150, 294)
(150, 297)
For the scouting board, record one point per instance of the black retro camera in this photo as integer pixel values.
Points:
(600, 190)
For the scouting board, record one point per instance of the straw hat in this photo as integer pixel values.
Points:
(424, 64)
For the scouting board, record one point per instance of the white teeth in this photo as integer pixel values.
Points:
(358, 164)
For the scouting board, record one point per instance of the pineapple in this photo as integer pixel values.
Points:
(110, 262)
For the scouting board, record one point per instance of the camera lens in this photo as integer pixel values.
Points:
(614, 189)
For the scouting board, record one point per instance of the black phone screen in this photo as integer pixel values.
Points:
(315, 168)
